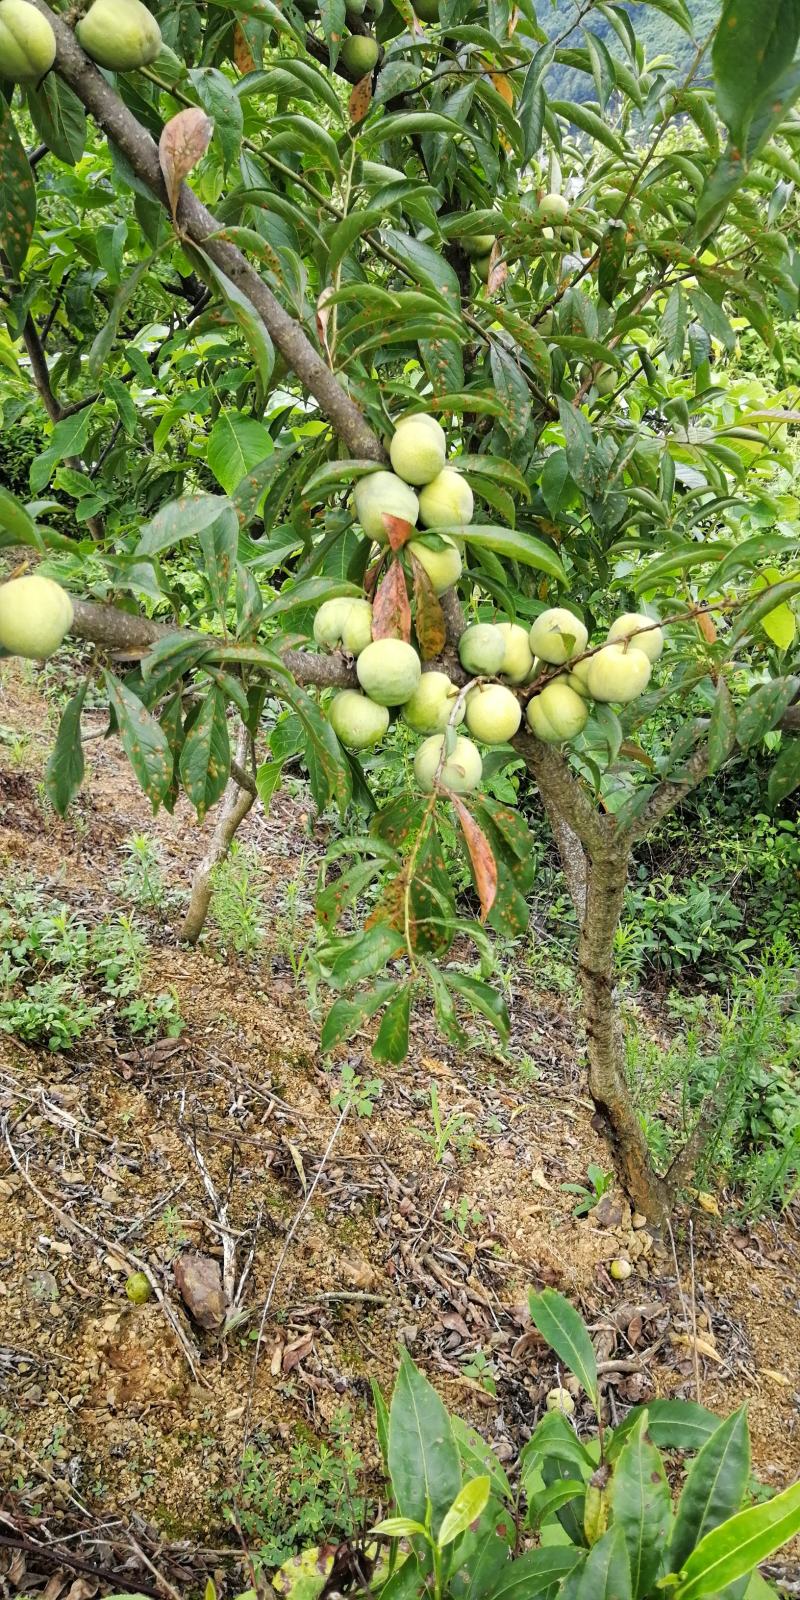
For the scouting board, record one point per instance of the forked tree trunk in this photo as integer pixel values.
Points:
(236, 803)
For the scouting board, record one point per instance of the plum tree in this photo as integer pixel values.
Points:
(240, 268)
(27, 42)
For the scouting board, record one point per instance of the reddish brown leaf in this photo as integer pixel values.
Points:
(184, 140)
(634, 752)
(498, 272)
(429, 618)
(361, 99)
(323, 318)
(398, 531)
(484, 865)
(391, 612)
(707, 627)
(371, 577)
(243, 58)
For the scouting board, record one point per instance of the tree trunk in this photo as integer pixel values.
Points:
(605, 1041)
(236, 803)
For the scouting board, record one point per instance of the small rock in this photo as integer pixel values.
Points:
(610, 1212)
(199, 1279)
(638, 1220)
(41, 1286)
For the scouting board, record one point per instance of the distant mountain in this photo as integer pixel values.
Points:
(656, 32)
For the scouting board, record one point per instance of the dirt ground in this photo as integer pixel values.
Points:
(132, 1417)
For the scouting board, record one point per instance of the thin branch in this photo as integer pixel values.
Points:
(202, 229)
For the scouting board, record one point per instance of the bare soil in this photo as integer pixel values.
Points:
(121, 1422)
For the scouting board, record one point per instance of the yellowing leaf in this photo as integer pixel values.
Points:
(779, 625)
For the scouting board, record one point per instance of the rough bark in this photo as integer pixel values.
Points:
(198, 225)
(604, 1039)
(236, 803)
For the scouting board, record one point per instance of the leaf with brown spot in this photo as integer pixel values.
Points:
(707, 627)
(184, 141)
(498, 272)
(484, 866)
(360, 99)
(243, 58)
(398, 531)
(391, 612)
(429, 616)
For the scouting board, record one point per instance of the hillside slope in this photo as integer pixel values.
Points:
(657, 33)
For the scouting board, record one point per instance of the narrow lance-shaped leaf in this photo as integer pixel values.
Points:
(714, 1487)
(424, 1464)
(143, 740)
(484, 866)
(391, 612)
(206, 754)
(737, 1546)
(641, 1505)
(565, 1331)
(66, 766)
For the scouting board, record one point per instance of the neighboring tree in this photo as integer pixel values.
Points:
(409, 222)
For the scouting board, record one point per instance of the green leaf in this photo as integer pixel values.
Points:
(236, 444)
(589, 122)
(613, 252)
(641, 1506)
(785, 775)
(536, 1572)
(347, 1016)
(738, 1545)
(17, 192)
(721, 728)
(468, 1505)
(177, 520)
(206, 755)
(763, 708)
(219, 99)
(104, 339)
(565, 1331)
(328, 769)
(219, 542)
(143, 740)
(346, 232)
(68, 438)
(513, 543)
(513, 391)
(424, 1465)
(248, 319)
(478, 1456)
(59, 118)
(249, 493)
(65, 767)
(16, 523)
(714, 1487)
(391, 1043)
(311, 591)
(672, 1425)
(754, 43)
(268, 777)
(765, 603)
(607, 1573)
(489, 1002)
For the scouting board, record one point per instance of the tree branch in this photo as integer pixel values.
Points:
(198, 225)
(565, 794)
